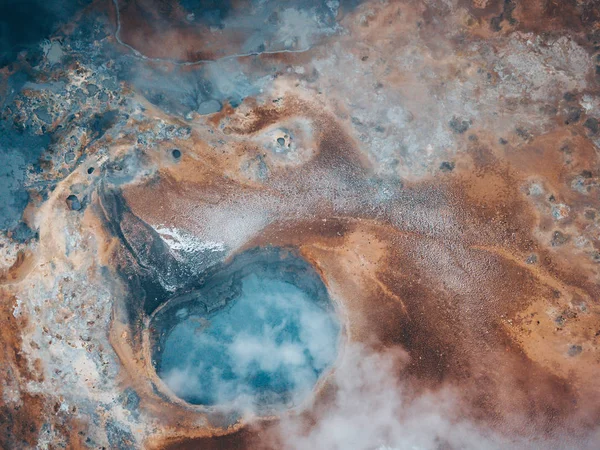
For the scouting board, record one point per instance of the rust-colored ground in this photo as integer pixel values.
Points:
(474, 262)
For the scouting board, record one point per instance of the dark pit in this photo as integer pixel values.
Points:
(255, 336)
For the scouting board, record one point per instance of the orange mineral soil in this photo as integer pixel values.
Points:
(440, 170)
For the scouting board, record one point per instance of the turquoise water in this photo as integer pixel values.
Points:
(266, 348)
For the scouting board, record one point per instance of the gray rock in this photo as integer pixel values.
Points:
(69, 157)
(573, 115)
(73, 202)
(591, 124)
(43, 115)
(459, 125)
(92, 89)
(531, 259)
(559, 238)
(209, 107)
(447, 166)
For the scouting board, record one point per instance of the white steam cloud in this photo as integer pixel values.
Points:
(373, 409)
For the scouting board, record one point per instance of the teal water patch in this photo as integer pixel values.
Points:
(264, 350)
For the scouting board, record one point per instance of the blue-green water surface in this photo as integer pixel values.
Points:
(266, 348)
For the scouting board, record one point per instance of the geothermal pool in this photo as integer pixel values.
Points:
(256, 337)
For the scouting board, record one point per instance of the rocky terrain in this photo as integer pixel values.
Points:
(435, 162)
